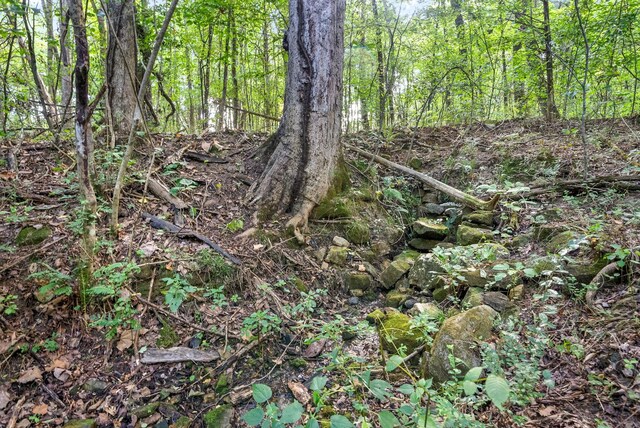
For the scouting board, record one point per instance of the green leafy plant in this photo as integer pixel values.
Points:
(260, 323)
(268, 414)
(181, 185)
(179, 289)
(8, 304)
(55, 282)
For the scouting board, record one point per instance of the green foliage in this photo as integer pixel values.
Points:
(182, 185)
(268, 414)
(235, 225)
(55, 282)
(8, 304)
(179, 289)
(260, 323)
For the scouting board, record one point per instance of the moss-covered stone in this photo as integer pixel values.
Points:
(472, 298)
(561, 241)
(332, 209)
(519, 241)
(32, 236)
(182, 422)
(483, 218)
(499, 302)
(467, 235)
(357, 232)
(584, 270)
(491, 250)
(298, 363)
(422, 244)
(430, 229)
(168, 336)
(337, 255)
(546, 263)
(459, 335)
(357, 281)
(220, 417)
(299, 284)
(440, 294)
(395, 330)
(408, 255)
(415, 163)
(543, 232)
(394, 272)
(80, 423)
(516, 293)
(430, 310)
(395, 298)
(146, 410)
(222, 384)
(426, 273)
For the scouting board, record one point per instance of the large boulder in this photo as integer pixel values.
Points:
(395, 298)
(468, 234)
(426, 273)
(424, 245)
(430, 229)
(357, 281)
(563, 241)
(395, 330)
(584, 270)
(459, 335)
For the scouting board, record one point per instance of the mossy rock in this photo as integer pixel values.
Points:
(496, 251)
(80, 423)
(430, 229)
(146, 410)
(222, 384)
(300, 285)
(544, 232)
(32, 236)
(394, 272)
(584, 270)
(468, 234)
(546, 263)
(429, 310)
(299, 363)
(395, 330)
(182, 422)
(168, 336)
(337, 255)
(519, 241)
(459, 335)
(472, 298)
(395, 298)
(562, 241)
(442, 293)
(516, 293)
(357, 281)
(499, 302)
(415, 163)
(426, 273)
(332, 209)
(358, 232)
(220, 417)
(424, 245)
(483, 218)
(408, 255)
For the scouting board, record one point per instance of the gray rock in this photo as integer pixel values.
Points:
(95, 386)
(357, 281)
(341, 242)
(584, 270)
(460, 334)
(516, 293)
(434, 209)
(421, 244)
(394, 272)
(410, 303)
(499, 302)
(430, 310)
(472, 298)
(426, 273)
(354, 301)
(337, 255)
(395, 298)
(562, 241)
(440, 294)
(483, 218)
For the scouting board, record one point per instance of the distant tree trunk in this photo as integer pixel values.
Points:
(65, 62)
(205, 79)
(52, 51)
(380, 70)
(84, 145)
(4, 107)
(121, 65)
(551, 111)
(192, 118)
(306, 148)
(225, 76)
(234, 71)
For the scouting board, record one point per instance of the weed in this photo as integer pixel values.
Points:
(8, 304)
(179, 289)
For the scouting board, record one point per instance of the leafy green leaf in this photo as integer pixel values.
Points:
(312, 423)
(503, 266)
(379, 388)
(406, 389)
(530, 273)
(253, 417)
(261, 392)
(388, 419)
(473, 374)
(469, 387)
(318, 382)
(339, 421)
(292, 413)
(497, 389)
(393, 362)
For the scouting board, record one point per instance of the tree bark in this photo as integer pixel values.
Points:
(551, 111)
(307, 144)
(121, 65)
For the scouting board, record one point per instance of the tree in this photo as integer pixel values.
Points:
(305, 150)
(121, 65)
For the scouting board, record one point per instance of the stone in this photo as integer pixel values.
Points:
(422, 244)
(467, 234)
(430, 229)
(31, 235)
(358, 232)
(433, 209)
(476, 278)
(80, 423)
(499, 302)
(146, 410)
(562, 241)
(395, 298)
(395, 330)
(472, 298)
(440, 294)
(220, 417)
(357, 281)
(380, 248)
(430, 310)
(546, 263)
(337, 255)
(95, 386)
(353, 301)
(332, 209)
(544, 232)
(341, 242)
(409, 303)
(519, 241)
(320, 253)
(584, 270)
(182, 422)
(495, 251)
(408, 255)
(516, 293)
(426, 273)
(356, 293)
(459, 335)
(394, 272)
(415, 163)
(482, 218)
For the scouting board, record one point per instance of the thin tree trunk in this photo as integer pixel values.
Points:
(234, 70)
(551, 111)
(380, 70)
(222, 106)
(583, 84)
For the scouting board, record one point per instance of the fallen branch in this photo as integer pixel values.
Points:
(178, 354)
(598, 281)
(463, 198)
(158, 223)
(160, 191)
(623, 182)
(203, 158)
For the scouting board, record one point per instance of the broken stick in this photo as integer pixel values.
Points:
(458, 195)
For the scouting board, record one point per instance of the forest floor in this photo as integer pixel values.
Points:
(284, 315)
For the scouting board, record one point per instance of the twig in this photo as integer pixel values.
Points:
(16, 412)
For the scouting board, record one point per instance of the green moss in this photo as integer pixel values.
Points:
(31, 236)
(222, 385)
(357, 232)
(168, 336)
(298, 363)
(337, 255)
(299, 284)
(80, 423)
(218, 417)
(146, 410)
(332, 208)
(395, 330)
(357, 281)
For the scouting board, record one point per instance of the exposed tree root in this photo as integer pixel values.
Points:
(598, 281)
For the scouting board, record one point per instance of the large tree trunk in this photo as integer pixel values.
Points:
(307, 143)
(121, 65)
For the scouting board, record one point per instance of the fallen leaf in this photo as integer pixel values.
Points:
(206, 146)
(40, 409)
(299, 391)
(30, 375)
(546, 411)
(314, 349)
(61, 374)
(5, 398)
(126, 340)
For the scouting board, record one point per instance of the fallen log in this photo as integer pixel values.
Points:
(458, 195)
(621, 182)
(158, 223)
(178, 354)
